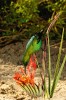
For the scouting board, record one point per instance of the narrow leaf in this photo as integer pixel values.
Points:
(57, 67)
(58, 76)
(36, 89)
(59, 54)
(32, 89)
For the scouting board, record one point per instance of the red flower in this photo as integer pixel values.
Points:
(32, 63)
(23, 78)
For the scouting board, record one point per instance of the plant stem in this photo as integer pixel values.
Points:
(49, 70)
(47, 33)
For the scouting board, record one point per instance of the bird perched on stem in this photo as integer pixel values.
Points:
(33, 45)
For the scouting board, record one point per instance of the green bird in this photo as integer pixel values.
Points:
(33, 45)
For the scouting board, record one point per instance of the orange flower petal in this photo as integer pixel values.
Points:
(23, 79)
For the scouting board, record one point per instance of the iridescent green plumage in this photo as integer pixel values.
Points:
(33, 45)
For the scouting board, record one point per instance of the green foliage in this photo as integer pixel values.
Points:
(14, 14)
(58, 69)
(26, 8)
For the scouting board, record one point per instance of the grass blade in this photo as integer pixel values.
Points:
(59, 55)
(58, 76)
(57, 67)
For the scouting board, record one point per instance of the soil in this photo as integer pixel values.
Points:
(10, 62)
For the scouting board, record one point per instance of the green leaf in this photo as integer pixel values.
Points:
(57, 70)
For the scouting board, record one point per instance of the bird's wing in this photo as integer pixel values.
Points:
(30, 41)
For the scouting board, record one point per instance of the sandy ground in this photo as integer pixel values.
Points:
(10, 61)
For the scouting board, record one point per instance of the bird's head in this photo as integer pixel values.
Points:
(40, 33)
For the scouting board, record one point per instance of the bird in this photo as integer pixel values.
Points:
(33, 45)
